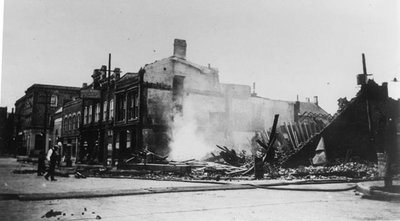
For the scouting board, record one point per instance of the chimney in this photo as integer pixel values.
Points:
(117, 70)
(117, 73)
(180, 48)
(296, 111)
(316, 100)
(254, 89)
(84, 85)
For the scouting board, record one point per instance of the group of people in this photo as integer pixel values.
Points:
(52, 157)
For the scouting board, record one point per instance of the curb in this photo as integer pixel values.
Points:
(310, 189)
(108, 193)
(376, 194)
(8, 196)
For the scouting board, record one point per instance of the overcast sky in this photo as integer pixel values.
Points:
(295, 47)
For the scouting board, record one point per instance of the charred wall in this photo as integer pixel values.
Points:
(359, 131)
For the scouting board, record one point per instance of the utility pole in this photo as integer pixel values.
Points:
(364, 67)
(45, 119)
(108, 86)
(367, 92)
(107, 120)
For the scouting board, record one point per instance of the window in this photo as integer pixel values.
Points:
(111, 108)
(133, 105)
(85, 115)
(78, 120)
(97, 114)
(65, 123)
(105, 110)
(69, 122)
(53, 100)
(90, 114)
(74, 121)
(121, 107)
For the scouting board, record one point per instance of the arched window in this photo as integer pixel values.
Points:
(90, 114)
(65, 123)
(85, 115)
(105, 110)
(78, 120)
(111, 108)
(70, 122)
(73, 121)
(97, 113)
(53, 100)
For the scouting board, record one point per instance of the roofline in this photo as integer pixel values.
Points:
(271, 99)
(20, 99)
(49, 86)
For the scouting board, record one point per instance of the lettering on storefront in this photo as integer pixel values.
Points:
(91, 94)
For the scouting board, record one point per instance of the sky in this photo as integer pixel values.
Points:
(289, 48)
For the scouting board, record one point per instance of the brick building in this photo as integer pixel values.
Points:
(97, 120)
(128, 121)
(70, 126)
(167, 102)
(3, 129)
(33, 114)
(173, 98)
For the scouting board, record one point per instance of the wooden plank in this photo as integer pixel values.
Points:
(286, 136)
(273, 131)
(309, 129)
(296, 138)
(300, 133)
(292, 133)
(312, 127)
(289, 135)
(303, 134)
(307, 133)
(267, 135)
(262, 144)
(264, 135)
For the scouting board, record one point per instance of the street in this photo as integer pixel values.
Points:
(246, 204)
(258, 204)
(200, 110)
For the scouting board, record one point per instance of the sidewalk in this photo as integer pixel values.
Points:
(373, 190)
(27, 186)
(33, 187)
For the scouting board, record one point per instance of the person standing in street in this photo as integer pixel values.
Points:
(41, 163)
(52, 157)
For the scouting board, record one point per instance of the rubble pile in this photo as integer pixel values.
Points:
(353, 170)
(229, 156)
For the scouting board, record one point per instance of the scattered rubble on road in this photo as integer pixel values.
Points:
(216, 171)
(52, 213)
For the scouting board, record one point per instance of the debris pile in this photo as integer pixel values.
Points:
(146, 156)
(353, 170)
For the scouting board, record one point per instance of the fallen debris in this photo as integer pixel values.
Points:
(78, 175)
(52, 213)
(344, 170)
(230, 156)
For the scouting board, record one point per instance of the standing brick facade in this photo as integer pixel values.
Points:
(33, 115)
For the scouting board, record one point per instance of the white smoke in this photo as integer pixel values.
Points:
(187, 142)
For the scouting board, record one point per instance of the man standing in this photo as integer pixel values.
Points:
(52, 157)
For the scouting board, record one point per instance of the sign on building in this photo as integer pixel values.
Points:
(91, 94)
